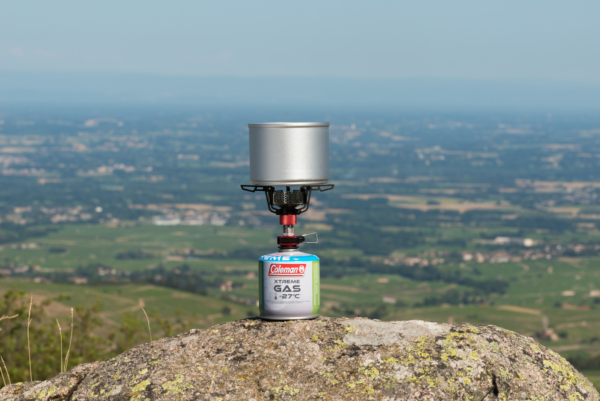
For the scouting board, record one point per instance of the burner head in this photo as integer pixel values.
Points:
(287, 198)
(288, 204)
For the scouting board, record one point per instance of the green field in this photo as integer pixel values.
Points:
(79, 245)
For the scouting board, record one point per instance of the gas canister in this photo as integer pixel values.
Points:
(289, 285)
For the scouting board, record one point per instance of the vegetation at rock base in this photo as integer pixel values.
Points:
(91, 341)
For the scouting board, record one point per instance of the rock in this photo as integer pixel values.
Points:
(14, 390)
(60, 388)
(327, 359)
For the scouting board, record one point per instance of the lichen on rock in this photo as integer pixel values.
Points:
(60, 388)
(325, 359)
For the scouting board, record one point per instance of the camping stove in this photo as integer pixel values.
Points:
(289, 155)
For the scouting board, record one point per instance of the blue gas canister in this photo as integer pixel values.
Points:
(289, 286)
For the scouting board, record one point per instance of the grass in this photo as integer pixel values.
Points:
(70, 343)
(7, 374)
(148, 320)
(4, 364)
(28, 343)
(62, 366)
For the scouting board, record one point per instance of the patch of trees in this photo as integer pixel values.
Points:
(250, 253)
(17, 233)
(581, 362)
(181, 278)
(454, 297)
(550, 223)
(454, 242)
(375, 242)
(134, 254)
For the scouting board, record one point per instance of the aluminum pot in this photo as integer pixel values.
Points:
(289, 153)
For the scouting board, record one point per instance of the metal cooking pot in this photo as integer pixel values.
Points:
(289, 153)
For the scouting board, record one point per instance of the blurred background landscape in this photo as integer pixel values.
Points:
(466, 159)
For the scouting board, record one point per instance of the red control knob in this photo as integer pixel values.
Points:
(287, 219)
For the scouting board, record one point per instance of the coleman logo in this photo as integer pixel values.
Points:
(287, 270)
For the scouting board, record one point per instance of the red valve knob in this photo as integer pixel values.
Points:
(287, 219)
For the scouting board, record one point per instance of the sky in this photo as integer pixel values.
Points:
(457, 39)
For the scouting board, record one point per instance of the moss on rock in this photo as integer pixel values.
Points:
(327, 359)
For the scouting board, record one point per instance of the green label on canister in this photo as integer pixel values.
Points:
(261, 302)
(316, 303)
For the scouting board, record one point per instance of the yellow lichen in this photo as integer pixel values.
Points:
(391, 360)
(338, 346)
(568, 375)
(175, 386)
(45, 393)
(353, 384)
(372, 373)
(155, 362)
(143, 372)
(330, 378)
(450, 352)
(141, 386)
(472, 329)
(409, 360)
(535, 347)
(290, 390)
(431, 381)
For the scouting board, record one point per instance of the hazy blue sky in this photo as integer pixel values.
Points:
(503, 39)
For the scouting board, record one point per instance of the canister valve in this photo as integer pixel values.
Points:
(290, 241)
